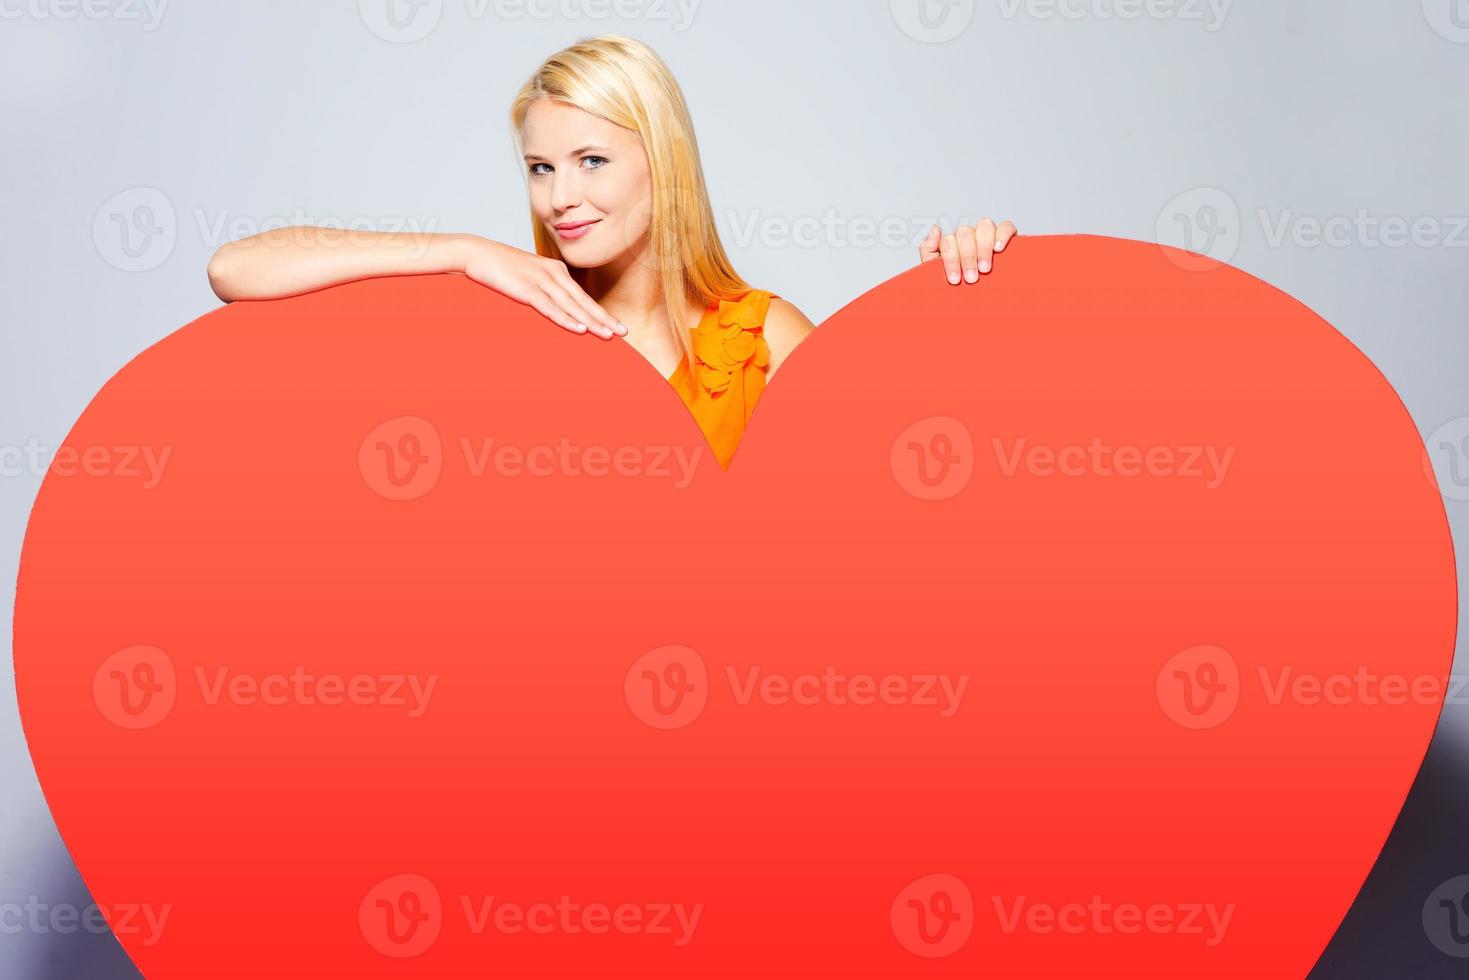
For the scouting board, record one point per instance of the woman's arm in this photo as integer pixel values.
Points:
(287, 261)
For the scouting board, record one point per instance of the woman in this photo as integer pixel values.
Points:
(625, 239)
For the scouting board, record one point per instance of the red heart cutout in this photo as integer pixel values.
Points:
(975, 662)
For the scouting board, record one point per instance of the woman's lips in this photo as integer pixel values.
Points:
(580, 231)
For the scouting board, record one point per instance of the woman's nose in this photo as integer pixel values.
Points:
(565, 194)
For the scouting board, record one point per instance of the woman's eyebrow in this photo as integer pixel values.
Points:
(576, 152)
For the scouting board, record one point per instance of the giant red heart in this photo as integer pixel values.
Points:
(1090, 621)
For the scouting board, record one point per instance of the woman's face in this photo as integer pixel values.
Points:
(582, 168)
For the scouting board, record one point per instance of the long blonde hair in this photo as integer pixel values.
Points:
(623, 81)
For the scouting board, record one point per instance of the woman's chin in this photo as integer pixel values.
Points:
(583, 256)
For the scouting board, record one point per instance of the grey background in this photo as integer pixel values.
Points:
(196, 122)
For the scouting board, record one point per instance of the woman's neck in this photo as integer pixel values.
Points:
(629, 290)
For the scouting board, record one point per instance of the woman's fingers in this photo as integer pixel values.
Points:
(949, 250)
(551, 311)
(592, 313)
(929, 247)
(968, 253)
(1003, 234)
(544, 284)
(984, 239)
(571, 308)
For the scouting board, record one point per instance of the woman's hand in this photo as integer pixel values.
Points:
(540, 282)
(969, 250)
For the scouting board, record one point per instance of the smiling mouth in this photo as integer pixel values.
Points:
(575, 232)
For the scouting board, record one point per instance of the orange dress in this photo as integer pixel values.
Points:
(732, 355)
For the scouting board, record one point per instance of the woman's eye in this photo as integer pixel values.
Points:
(535, 172)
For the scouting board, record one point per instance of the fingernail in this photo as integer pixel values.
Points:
(581, 328)
(984, 265)
(953, 279)
(1000, 246)
(621, 328)
(971, 276)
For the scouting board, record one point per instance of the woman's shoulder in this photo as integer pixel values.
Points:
(775, 325)
(785, 326)
(747, 309)
(756, 308)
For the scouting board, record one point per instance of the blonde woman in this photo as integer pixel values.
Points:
(625, 239)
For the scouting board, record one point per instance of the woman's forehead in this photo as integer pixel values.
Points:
(560, 128)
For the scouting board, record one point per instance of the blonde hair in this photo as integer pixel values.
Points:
(623, 81)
